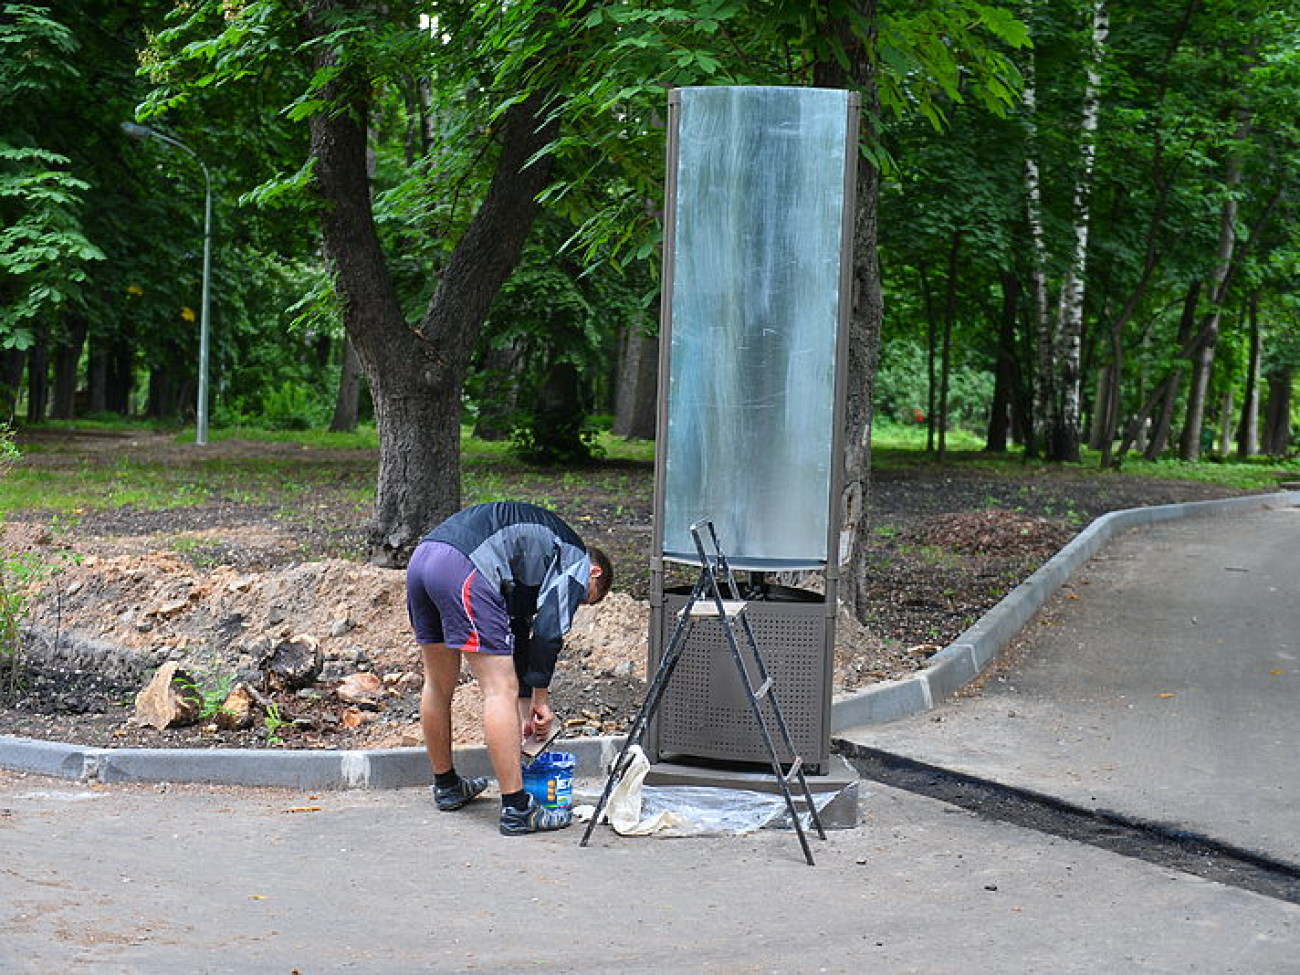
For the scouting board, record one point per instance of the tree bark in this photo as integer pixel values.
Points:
(1203, 356)
(1225, 423)
(931, 360)
(1248, 429)
(38, 379)
(1276, 441)
(347, 399)
(1104, 408)
(1005, 373)
(945, 348)
(559, 415)
(121, 378)
(1166, 390)
(96, 378)
(496, 411)
(11, 379)
(865, 315)
(67, 356)
(1064, 419)
(1043, 391)
(636, 410)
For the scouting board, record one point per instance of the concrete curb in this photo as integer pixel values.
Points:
(386, 768)
(949, 670)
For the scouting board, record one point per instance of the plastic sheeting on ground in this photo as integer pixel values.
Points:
(635, 809)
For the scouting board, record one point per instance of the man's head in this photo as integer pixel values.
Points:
(602, 575)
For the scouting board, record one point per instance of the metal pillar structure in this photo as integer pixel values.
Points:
(754, 324)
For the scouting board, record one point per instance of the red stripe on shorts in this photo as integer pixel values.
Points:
(472, 644)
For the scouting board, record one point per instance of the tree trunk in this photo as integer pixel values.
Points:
(496, 410)
(636, 410)
(1043, 392)
(1103, 409)
(945, 355)
(1165, 393)
(1203, 357)
(348, 397)
(865, 315)
(1164, 422)
(38, 379)
(1277, 414)
(1248, 429)
(11, 379)
(169, 394)
(121, 378)
(559, 416)
(67, 356)
(1225, 423)
(1115, 385)
(1064, 417)
(416, 375)
(931, 357)
(1005, 371)
(96, 378)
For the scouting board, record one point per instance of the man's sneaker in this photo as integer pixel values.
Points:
(452, 797)
(534, 819)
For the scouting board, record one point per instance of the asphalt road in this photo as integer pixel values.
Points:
(136, 878)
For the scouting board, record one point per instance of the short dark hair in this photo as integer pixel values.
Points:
(598, 557)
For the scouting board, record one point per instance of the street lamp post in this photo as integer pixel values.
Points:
(142, 132)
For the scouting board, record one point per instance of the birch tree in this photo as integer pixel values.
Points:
(1060, 330)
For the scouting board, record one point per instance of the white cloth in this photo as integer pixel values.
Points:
(623, 809)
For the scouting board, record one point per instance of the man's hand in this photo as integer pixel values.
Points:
(538, 716)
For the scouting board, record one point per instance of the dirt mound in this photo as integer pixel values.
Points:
(106, 619)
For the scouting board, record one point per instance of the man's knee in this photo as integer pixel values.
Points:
(495, 674)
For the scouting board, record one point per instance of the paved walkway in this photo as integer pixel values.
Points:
(1165, 687)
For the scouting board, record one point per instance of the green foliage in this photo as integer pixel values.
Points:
(19, 573)
(44, 250)
(902, 388)
(211, 689)
(293, 407)
(555, 321)
(273, 721)
(925, 58)
(8, 449)
(18, 570)
(556, 439)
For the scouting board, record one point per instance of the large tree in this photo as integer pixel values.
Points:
(415, 370)
(349, 57)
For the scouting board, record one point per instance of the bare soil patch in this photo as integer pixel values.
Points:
(214, 584)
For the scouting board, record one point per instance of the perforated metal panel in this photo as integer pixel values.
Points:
(705, 713)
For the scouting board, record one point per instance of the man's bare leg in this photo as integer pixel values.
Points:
(501, 726)
(441, 674)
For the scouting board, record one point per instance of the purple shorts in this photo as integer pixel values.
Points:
(449, 601)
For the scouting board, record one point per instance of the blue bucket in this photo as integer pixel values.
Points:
(549, 779)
